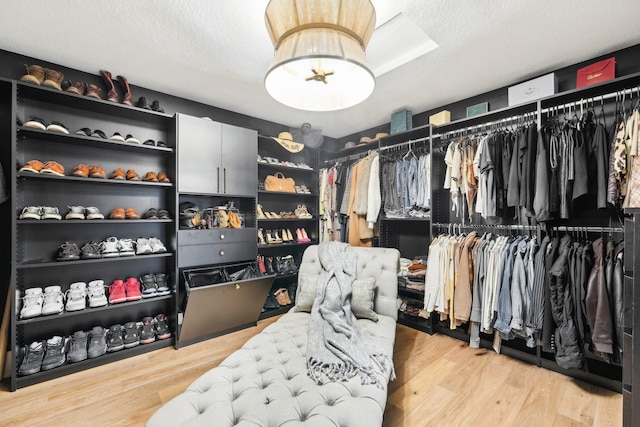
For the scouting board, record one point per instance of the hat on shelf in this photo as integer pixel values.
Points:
(379, 136)
(285, 139)
(349, 144)
(364, 140)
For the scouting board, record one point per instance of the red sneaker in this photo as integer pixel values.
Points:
(116, 292)
(132, 288)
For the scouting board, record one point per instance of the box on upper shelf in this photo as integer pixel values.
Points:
(440, 118)
(401, 121)
(533, 89)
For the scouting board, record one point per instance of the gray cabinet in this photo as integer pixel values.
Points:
(216, 158)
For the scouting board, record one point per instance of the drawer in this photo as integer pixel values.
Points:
(216, 253)
(221, 235)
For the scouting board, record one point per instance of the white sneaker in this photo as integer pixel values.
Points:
(53, 300)
(143, 246)
(97, 296)
(110, 247)
(50, 212)
(93, 213)
(32, 303)
(31, 212)
(76, 297)
(157, 246)
(125, 246)
(75, 212)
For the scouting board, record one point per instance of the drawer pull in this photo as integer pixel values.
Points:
(222, 237)
(237, 286)
(221, 253)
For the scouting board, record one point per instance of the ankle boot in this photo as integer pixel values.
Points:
(52, 79)
(126, 97)
(35, 74)
(94, 91)
(268, 264)
(112, 95)
(142, 103)
(155, 106)
(78, 88)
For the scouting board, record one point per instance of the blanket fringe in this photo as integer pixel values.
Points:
(322, 372)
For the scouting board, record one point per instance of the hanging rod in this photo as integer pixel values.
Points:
(591, 229)
(400, 144)
(354, 156)
(592, 98)
(497, 226)
(446, 135)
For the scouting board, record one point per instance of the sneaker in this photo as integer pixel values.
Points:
(161, 328)
(36, 123)
(53, 168)
(131, 335)
(76, 297)
(151, 214)
(68, 251)
(97, 297)
(53, 300)
(114, 338)
(132, 289)
(125, 246)
(149, 286)
(143, 246)
(93, 213)
(34, 166)
(32, 361)
(31, 212)
(147, 334)
(58, 127)
(109, 247)
(50, 212)
(77, 347)
(117, 293)
(55, 355)
(31, 303)
(75, 212)
(163, 214)
(91, 250)
(161, 282)
(97, 342)
(157, 246)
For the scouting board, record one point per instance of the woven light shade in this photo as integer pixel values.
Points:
(319, 62)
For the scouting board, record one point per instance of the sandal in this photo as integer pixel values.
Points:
(260, 213)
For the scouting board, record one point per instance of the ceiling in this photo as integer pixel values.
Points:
(217, 52)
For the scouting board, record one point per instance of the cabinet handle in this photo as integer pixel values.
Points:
(218, 180)
(237, 286)
(224, 171)
(221, 253)
(222, 237)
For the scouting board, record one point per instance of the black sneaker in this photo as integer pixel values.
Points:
(114, 338)
(161, 328)
(68, 251)
(78, 347)
(131, 334)
(149, 287)
(32, 361)
(91, 250)
(147, 334)
(97, 342)
(55, 355)
(161, 281)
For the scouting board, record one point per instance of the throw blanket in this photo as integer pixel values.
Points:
(338, 348)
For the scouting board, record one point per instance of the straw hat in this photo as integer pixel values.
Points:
(285, 139)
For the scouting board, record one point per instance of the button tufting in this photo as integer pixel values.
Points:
(267, 400)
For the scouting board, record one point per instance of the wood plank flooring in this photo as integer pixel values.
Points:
(440, 382)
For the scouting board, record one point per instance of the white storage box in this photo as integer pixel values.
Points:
(533, 89)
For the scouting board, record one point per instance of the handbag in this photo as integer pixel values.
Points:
(598, 72)
(282, 296)
(206, 276)
(278, 182)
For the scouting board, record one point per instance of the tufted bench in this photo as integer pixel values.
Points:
(265, 383)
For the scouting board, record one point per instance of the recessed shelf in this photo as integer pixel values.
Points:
(42, 264)
(286, 193)
(97, 181)
(90, 221)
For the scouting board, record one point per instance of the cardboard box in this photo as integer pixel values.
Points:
(440, 118)
(533, 89)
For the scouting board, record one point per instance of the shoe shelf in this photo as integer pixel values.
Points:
(45, 136)
(43, 264)
(90, 221)
(91, 311)
(265, 220)
(272, 166)
(284, 245)
(411, 218)
(98, 181)
(70, 368)
(286, 193)
(91, 105)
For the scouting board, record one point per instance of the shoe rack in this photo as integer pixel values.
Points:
(303, 168)
(36, 242)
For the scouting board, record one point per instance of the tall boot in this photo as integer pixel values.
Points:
(35, 74)
(126, 98)
(112, 95)
(53, 79)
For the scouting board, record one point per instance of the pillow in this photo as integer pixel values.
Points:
(363, 292)
(306, 292)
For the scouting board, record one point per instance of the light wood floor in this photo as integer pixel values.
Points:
(441, 382)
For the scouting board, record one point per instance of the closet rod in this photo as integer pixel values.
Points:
(400, 144)
(445, 135)
(497, 226)
(349, 157)
(592, 229)
(592, 98)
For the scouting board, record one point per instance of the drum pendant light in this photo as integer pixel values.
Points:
(319, 62)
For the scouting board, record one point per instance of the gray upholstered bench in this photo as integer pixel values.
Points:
(265, 383)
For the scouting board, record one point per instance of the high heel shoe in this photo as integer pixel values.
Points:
(304, 235)
(285, 237)
(261, 237)
(276, 238)
(289, 236)
(269, 237)
(260, 213)
(299, 237)
(268, 264)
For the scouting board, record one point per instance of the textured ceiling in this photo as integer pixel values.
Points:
(217, 52)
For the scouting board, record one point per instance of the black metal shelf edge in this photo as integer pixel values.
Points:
(286, 219)
(71, 368)
(427, 219)
(282, 245)
(223, 195)
(592, 91)
(284, 167)
(287, 193)
(89, 311)
(411, 293)
(275, 312)
(72, 138)
(90, 221)
(98, 181)
(41, 264)
(525, 107)
(26, 90)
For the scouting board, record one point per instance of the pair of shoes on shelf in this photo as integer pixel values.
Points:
(302, 212)
(43, 76)
(272, 215)
(301, 236)
(37, 303)
(159, 177)
(155, 105)
(81, 212)
(120, 175)
(79, 292)
(123, 291)
(154, 213)
(122, 213)
(153, 143)
(38, 123)
(89, 171)
(112, 95)
(43, 355)
(272, 237)
(301, 189)
(154, 285)
(49, 167)
(40, 212)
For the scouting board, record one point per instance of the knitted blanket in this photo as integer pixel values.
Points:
(338, 348)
